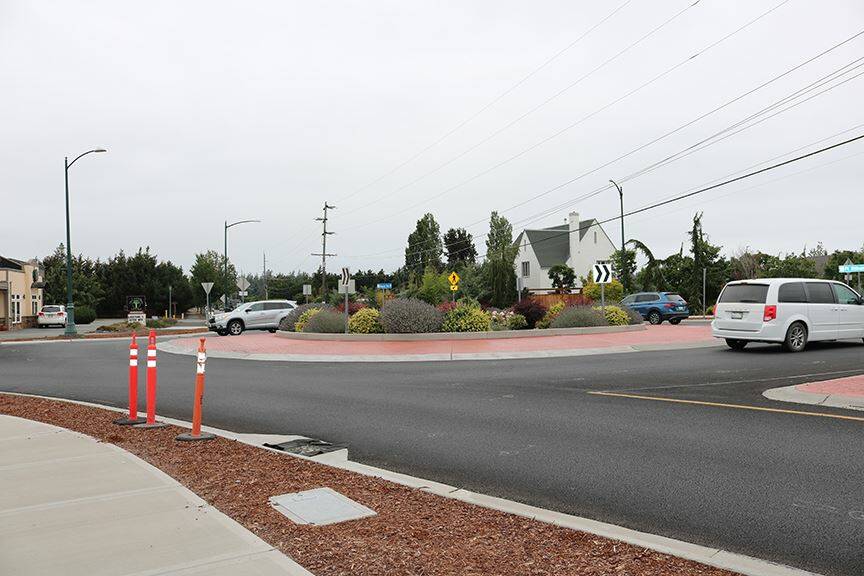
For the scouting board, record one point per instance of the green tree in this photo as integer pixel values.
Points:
(624, 265)
(705, 256)
(651, 276)
(500, 254)
(208, 267)
(838, 258)
(86, 288)
(434, 287)
(563, 277)
(424, 246)
(460, 248)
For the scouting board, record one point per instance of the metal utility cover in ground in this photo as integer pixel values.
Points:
(319, 507)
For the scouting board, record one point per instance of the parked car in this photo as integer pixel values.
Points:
(262, 315)
(658, 306)
(789, 311)
(51, 315)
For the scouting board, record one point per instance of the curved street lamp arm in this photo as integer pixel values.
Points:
(84, 154)
(240, 222)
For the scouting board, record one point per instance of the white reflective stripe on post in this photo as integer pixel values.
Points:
(133, 352)
(200, 369)
(151, 353)
(151, 363)
(202, 356)
(133, 362)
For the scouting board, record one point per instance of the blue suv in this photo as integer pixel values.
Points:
(658, 306)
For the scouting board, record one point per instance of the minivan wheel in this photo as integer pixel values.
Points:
(796, 338)
(735, 344)
(655, 318)
(235, 327)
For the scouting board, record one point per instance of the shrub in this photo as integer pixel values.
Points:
(634, 316)
(446, 307)
(614, 291)
(551, 314)
(300, 325)
(579, 317)
(517, 322)
(407, 315)
(531, 310)
(466, 319)
(615, 316)
(287, 323)
(434, 287)
(324, 322)
(160, 322)
(353, 307)
(365, 321)
(84, 314)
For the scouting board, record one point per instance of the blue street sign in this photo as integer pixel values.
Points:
(385, 286)
(851, 268)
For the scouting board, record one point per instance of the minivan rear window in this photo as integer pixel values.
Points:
(744, 294)
(792, 292)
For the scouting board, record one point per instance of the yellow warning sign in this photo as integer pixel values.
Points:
(454, 287)
(453, 278)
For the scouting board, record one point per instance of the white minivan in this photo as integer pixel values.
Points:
(789, 311)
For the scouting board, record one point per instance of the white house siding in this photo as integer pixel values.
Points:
(589, 252)
(538, 279)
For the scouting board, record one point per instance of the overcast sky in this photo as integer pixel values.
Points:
(215, 110)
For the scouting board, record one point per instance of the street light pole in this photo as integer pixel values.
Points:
(71, 330)
(621, 198)
(225, 253)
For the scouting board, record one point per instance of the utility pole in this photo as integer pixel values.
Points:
(621, 198)
(324, 253)
(264, 278)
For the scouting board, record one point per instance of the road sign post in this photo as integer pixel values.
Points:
(346, 286)
(207, 286)
(307, 291)
(454, 285)
(602, 275)
(848, 268)
(242, 285)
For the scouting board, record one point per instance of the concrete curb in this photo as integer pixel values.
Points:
(715, 557)
(437, 336)
(438, 357)
(793, 394)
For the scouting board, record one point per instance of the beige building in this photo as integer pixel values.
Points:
(21, 286)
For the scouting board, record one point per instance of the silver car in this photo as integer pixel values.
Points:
(262, 315)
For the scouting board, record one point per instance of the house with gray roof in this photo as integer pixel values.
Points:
(578, 243)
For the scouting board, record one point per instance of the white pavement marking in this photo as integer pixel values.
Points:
(72, 505)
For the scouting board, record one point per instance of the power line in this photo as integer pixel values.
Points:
(801, 91)
(533, 109)
(570, 126)
(701, 190)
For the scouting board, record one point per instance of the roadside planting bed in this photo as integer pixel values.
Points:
(414, 532)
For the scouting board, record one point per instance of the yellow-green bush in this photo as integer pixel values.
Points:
(615, 316)
(304, 318)
(365, 321)
(551, 314)
(614, 290)
(466, 319)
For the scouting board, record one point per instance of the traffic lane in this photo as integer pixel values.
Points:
(689, 472)
(52, 331)
(732, 384)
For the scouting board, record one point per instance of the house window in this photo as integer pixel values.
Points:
(34, 303)
(15, 311)
(526, 269)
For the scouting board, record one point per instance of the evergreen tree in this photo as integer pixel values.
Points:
(500, 254)
(460, 248)
(424, 246)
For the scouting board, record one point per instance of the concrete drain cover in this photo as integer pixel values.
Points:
(319, 507)
(307, 446)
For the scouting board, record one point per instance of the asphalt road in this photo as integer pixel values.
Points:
(786, 487)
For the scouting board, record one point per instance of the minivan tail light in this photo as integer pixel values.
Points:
(770, 313)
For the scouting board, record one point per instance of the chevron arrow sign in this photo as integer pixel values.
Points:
(602, 273)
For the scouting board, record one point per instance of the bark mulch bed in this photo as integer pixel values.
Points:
(415, 533)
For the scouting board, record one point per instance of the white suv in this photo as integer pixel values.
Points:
(262, 315)
(790, 311)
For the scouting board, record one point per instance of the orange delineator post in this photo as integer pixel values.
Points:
(133, 386)
(196, 433)
(151, 383)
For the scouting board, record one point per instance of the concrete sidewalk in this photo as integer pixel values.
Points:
(74, 506)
